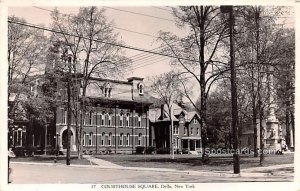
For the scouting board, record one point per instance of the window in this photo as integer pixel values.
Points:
(140, 139)
(107, 92)
(106, 116)
(198, 132)
(139, 120)
(90, 118)
(176, 130)
(109, 119)
(195, 120)
(63, 116)
(109, 139)
(94, 139)
(191, 130)
(18, 137)
(102, 119)
(185, 130)
(121, 120)
(90, 139)
(141, 88)
(84, 138)
(127, 120)
(102, 139)
(127, 139)
(121, 139)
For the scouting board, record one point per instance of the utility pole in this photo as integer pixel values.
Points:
(234, 109)
(172, 130)
(68, 60)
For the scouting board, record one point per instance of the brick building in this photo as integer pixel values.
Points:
(116, 119)
(186, 133)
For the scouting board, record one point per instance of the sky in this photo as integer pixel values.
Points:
(124, 18)
(143, 67)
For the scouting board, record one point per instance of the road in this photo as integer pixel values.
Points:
(41, 174)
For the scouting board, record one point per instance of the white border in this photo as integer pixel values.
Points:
(205, 186)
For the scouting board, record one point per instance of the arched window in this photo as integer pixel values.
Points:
(195, 120)
(109, 139)
(184, 130)
(90, 139)
(198, 132)
(121, 139)
(18, 136)
(192, 131)
(102, 139)
(141, 88)
(140, 139)
(102, 118)
(90, 118)
(109, 119)
(127, 120)
(107, 90)
(140, 120)
(127, 139)
(106, 119)
(84, 139)
(121, 119)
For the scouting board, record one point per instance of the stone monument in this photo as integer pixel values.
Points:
(273, 138)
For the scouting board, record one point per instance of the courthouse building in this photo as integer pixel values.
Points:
(116, 119)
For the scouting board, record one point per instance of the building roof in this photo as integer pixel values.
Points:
(120, 91)
(156, 114)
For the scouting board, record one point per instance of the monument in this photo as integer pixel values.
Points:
(273, 134)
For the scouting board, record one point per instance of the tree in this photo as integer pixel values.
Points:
(95, 59)
(26, 56)
(207, 29)
(259, 49)
(167, 87)
(219, 119)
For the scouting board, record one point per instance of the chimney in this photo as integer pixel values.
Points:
(161, 112)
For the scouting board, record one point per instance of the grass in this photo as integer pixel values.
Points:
(50, 159)
(181, 162)
(194, 162)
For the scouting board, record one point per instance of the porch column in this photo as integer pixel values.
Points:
(189, 144)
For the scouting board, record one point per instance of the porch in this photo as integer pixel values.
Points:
(191, 143)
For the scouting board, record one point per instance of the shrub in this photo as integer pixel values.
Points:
(139, 150)
(150, 150)
(163, 151)
(185, 151)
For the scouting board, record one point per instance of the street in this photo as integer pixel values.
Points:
(60, 174)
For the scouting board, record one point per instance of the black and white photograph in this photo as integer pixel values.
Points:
(150, 97)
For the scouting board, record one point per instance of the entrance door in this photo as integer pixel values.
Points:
(65, 139)
(192, 145)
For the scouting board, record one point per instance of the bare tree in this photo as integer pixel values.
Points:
(167, 87)
(26, 55)
(207, 29)
(95, 59)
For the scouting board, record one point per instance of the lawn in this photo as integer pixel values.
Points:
(194, 162)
